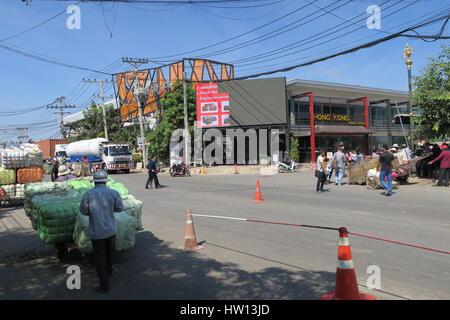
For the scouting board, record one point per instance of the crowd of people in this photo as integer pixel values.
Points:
(438, 161)
(63, 169)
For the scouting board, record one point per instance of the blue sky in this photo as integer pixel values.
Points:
(152, 31)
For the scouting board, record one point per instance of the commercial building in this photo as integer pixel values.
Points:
(324, 115)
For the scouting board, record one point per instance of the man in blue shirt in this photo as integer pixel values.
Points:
(100, 204)
(152, 174)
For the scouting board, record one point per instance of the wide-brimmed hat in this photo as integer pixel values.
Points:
(395, 146)
(100, 176)
(63, 171)
(393, 149)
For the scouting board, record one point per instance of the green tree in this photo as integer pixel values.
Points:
(91, 126)
(294, 149)
(172, 118)
(432, 95)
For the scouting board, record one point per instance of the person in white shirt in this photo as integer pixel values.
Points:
(321, 176)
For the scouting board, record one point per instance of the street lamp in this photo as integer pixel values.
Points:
(407, 53)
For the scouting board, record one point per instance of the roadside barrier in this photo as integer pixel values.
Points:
(346, 287)
(258, 196)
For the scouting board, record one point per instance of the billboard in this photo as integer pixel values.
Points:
(242, 103)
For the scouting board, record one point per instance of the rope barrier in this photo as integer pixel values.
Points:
(399, 242)
(325, 228)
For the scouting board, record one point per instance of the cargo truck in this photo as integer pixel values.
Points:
(101, 154)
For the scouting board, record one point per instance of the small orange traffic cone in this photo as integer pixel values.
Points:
(258, 196)
(236, 170)
(190, 241)
(346, 284)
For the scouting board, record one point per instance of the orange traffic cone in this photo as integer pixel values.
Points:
(236, 170)
(258, 196)
(346, 284)
(190, 241)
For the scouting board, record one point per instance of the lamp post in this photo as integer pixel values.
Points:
(407, 53)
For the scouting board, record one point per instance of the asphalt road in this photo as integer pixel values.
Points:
(301, 262)
(244, 260)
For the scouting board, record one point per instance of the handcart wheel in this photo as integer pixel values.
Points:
(372, 183)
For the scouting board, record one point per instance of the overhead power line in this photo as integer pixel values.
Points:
(354, 49)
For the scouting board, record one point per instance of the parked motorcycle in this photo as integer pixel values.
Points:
(179, 170)
(283, 167)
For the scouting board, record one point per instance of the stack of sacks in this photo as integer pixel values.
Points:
(20, 192)
(7, 176)
(125, 232)
(80, 184)
(30, 175)
(9, 192)
(14, 157)
(56, 215)
(34, 152)
(44, 189)
(16, 162)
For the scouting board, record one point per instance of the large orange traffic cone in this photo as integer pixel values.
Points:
(346, 284)
(258, 196)
(190, 241)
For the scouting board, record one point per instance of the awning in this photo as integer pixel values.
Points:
(341, 130)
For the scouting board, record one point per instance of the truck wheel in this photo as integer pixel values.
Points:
(126, 170)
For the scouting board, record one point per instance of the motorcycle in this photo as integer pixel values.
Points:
(283, 167)
(179, 170)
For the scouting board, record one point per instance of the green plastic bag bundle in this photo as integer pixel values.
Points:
(7, 176)
(125, 236)
(119, 187)
(80, 184)
(56, 215)
(133, 207)
(126, 231)
(32, 189)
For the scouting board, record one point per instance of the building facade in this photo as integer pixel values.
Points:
(324, 115)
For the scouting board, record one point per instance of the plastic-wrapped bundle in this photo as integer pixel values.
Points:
(119, 187)
(30, 175)
(80, 184)
(7, 176)
(20, 192)
(56, 216)
(34, 153)
(125, 233)
(9, 191)
(15, 158)
(32, 189)
(133, 207)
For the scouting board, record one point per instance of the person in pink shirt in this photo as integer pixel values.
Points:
(444, 166)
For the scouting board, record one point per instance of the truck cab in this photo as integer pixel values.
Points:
(117, 157)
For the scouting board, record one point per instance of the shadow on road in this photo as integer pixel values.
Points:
(153, 270)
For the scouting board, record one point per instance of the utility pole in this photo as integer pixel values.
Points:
(186, 152)
(102, 96)
(61, 112)
(22, 135)
(140, 95)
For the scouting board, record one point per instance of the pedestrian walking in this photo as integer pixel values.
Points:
(100, 204)
(386, 162)
(320, 171)
(54, 170)
(444, 166)
(152, 174)
(339, 165)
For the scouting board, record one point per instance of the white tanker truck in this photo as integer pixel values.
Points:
(101, 154)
